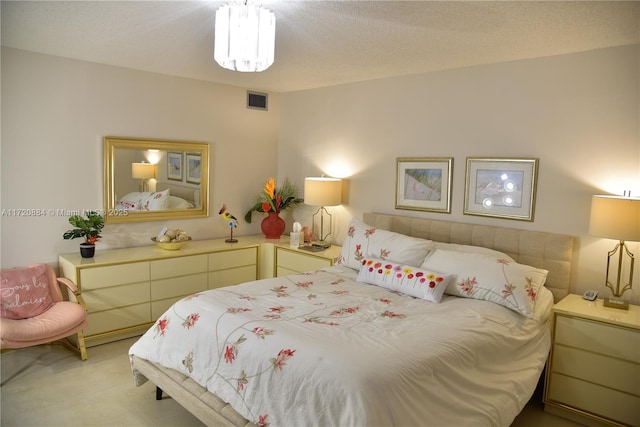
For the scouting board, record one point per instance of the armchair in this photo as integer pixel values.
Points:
(33, 310)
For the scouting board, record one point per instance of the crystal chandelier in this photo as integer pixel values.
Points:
(244, 38)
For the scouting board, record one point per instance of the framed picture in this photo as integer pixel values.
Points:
(194, 168)
(174, 165)
(503, 188)
(424, 184)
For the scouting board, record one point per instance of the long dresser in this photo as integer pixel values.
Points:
(126, 290)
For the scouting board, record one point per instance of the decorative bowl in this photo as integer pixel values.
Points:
(170, 246)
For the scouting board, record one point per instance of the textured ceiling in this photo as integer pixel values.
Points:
(320, 43)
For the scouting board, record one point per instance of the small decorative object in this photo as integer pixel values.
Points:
(503, 188)
(171, 239)
(231, 220)
(272, 200)
(294, 236)
(424, 184)
(307, 234)
(88, 227)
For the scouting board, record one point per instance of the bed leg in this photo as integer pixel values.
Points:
(158, 393)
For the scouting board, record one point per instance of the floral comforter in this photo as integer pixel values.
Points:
(322, 349)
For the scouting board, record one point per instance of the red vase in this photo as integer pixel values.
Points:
(272, 226)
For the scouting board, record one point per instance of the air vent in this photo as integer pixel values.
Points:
(257, 100)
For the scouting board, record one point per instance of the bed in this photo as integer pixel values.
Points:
(167, 196)
(354, 344)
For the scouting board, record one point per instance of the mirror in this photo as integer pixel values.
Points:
(153, 180)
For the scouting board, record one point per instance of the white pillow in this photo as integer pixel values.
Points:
(179, 203)
(409, 280)
(364, 241)
(156, 201)
(472, 249)
(480, 276)
(130, 202)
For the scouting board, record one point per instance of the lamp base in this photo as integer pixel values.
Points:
(613, 302)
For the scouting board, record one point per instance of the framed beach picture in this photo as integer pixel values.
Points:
(503, 188)
(194, 168)
(424, 183)
(174, 165)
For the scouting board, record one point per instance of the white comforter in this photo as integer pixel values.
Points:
(321, 349)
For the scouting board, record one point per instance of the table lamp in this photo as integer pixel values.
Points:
(616, 217)
(143, 171)
(322, 192)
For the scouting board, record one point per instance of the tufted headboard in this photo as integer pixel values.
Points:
(552, 252)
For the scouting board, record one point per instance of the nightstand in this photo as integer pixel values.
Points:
(593, 375)
(293, 260)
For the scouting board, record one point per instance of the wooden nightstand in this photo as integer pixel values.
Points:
(593, 376)
(292, 260)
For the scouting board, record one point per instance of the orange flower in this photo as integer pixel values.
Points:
(270, 188)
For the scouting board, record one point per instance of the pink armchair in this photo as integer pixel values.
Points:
(33, 310)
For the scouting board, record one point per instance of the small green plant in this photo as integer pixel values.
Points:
(88, 227)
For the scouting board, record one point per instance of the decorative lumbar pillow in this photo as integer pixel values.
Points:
(364, 241)
(481, 276)
(409, 280)
(25, 292)
(156, 201)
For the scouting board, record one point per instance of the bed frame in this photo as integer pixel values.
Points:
(552, 252)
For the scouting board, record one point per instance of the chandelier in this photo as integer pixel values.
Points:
(244, 38)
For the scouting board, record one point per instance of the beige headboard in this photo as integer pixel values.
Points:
(552, 252)
(190, 194)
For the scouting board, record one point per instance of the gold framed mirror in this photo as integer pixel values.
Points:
(154, 180)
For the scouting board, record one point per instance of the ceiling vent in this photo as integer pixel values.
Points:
(257, 100)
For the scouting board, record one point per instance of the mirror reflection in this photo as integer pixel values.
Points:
(149, 180)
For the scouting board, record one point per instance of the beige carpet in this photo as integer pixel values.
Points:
(50, 386)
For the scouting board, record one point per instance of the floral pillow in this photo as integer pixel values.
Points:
(25, 292)
(130, 202)
(481, 276)
(156, 201)
(409, 280)
(364, 241)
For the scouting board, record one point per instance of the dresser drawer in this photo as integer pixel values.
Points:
(595, 399)
(233, 276)
(178, 266)
(120, 318)
(298, 262)
(598, 337)
(113, 275)
(159, 307)
(117, 296)
(178, 286)
(233, 258)
(614, 373)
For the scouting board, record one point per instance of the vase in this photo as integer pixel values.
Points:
(272, 226)
(87, 250)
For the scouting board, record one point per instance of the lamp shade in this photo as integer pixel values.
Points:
(614, 217)
(322, 191)
(244, 37)
(143, 170)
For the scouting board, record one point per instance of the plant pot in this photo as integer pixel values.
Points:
(87, 250)
(272, 226)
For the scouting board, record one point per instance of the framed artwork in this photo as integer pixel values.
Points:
(503, 188)
(174, 165)
(424, 183)
(194, 168)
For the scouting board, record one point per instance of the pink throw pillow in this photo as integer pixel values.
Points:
(24, 292)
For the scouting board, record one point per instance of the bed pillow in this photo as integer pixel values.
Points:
(179, 203)
(472, 249)
(156, 201)
(480, 276)
(364, 241)
(409, 280)
(130, 202)
(25, 292)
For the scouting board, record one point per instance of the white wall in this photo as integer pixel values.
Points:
(579, 114)
(55, 113)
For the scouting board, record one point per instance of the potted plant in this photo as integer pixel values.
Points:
(271, 201)
(88, 227)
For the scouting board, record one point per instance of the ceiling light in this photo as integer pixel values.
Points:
(244, 38)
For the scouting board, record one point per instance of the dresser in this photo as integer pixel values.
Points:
(126, 290)
(594, 372)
